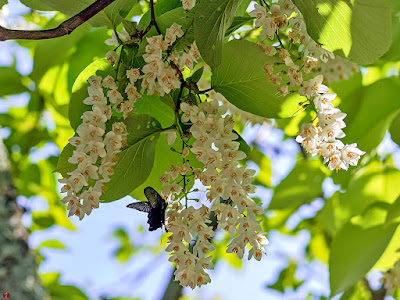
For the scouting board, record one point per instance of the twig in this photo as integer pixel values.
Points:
(64, 28)
(152, 21)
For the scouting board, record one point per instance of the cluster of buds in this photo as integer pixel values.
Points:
(96, 149)
(228, 187)
(322, 138)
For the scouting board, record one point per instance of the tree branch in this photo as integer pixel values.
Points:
(63, 29)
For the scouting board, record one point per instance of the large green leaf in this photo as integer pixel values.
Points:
(211, 20)
(354, 252)
(10, 81)
(153, 106)
(244, 83)
(375, 183)
(136, 160)
(107, 17)
(359, 30)
(302, 185)
(369, 119)
(99, 67)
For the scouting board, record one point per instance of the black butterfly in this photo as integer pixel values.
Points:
(155, 207)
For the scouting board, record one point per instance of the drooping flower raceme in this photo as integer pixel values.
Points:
(228, 187)
(95, 149)
(323, 138)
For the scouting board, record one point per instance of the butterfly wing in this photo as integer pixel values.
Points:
(154, 198)
(158, 206)
(141, 206)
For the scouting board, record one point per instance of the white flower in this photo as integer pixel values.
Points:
(109, 83)
(114, 96)
(350, 154)
(188, 4)
(259, 13)
(90, 132)
(96, 96)
(95, 117)
(90, 200)
(112, 57)
(322, 102)
(95, 81)
(133, 75)
(77, 180)
(307, 131)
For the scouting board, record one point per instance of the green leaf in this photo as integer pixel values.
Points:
(66, 292)
(54, 244)
(243, 146)
(395, 130)
(163, 160)
(153, 106)
(394, 51)
(136, 160)
(107, 17)
(196, 75)
(3, 2)
(63, 166)
(303, 184)
(211, 20)
(375, 116)
(287, 279)
(237, 23)
(358, 30)
(34, 4)
(244, 83)
(10, 82)
(354, 252)
(372, 184)
(99, 67)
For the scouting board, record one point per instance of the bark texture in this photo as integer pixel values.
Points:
(18, 266)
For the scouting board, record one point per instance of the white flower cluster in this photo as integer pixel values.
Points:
(96, 149)
(322, 139)
(159, 77)
(391, 279)
(336, 69)
(183, 225)
(279, 18)
(215, 146)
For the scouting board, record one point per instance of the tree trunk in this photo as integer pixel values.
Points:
(18, 267)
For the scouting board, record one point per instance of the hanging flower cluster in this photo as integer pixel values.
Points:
(96, 149)
(159, 74)
(322, 138)
(228, 186)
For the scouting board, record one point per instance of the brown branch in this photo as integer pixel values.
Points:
(63, 29)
